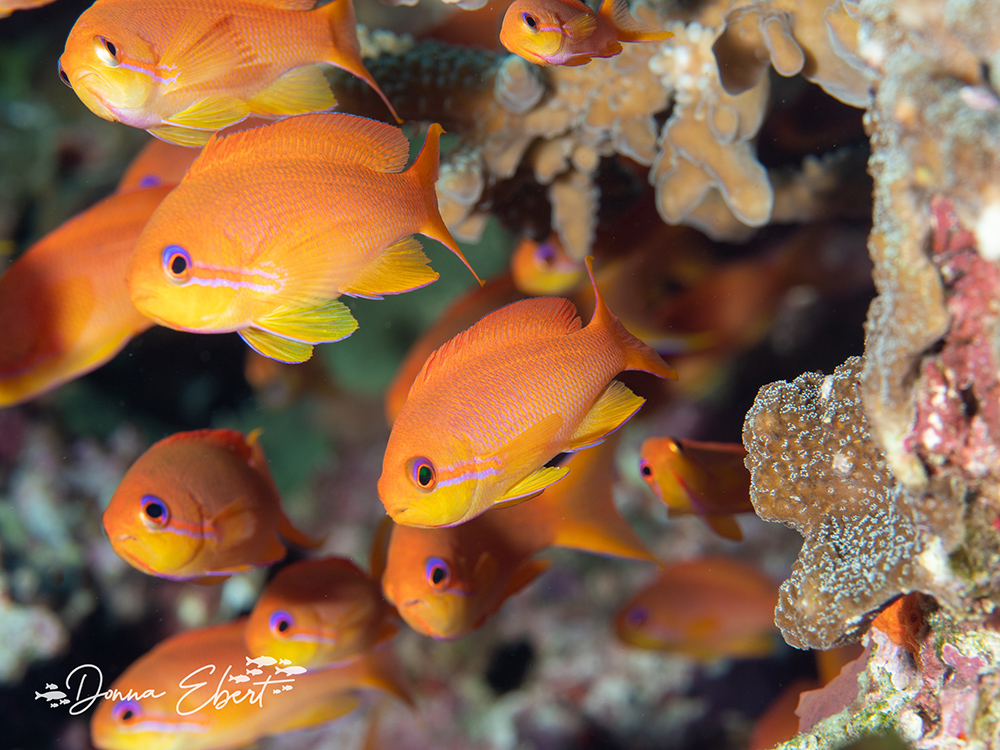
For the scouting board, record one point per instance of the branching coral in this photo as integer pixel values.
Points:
(562, 121)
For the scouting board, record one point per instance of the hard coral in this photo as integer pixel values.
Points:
(814, 467)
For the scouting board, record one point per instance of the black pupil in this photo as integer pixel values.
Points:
(63, 76)
(178, 265)
(127, 715)
(283, 626)
(111, 48)
(646, 471)
(424, 477)
(437, 575)
(154, 511)
(530, 21)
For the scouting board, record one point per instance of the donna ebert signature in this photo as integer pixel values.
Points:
(205, 687)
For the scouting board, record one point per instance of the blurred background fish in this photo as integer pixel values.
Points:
(319, 612)
(707, 608)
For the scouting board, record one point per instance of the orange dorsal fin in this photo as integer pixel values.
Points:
(317, 137)
(579, 512)
(288, 4)
(345, 50)
(627, 28)
(230, 440)
(425, 172)
(539, 318)
(638, 356)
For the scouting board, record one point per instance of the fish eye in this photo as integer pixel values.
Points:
(106, 51)
(177, 264)
(644, 468)
(154, 512)
(126, 711)
(545, 254)
(530, 20)
(422, 473)
(280, 623)
(637, 615)
(437, 573)
(62, 74)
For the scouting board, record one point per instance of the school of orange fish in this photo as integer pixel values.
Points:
(505, 416)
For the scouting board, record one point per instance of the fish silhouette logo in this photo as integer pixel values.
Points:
(262, 661)
(293, 670)
(50, 694)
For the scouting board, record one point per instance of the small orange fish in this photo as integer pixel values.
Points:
(706, 608)
(567, 32)
(545, 267)
(446, 582)
(904, 621)
(9, 6)
(462, 313)
(316, 206)
(494, 405)
(705, 479)
(158, 163)
(200, 505)
(319, 612)
(183, 69)
(64, 306)
(187, 693)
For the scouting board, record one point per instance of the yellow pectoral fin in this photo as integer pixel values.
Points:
(213, 113)
(532, 484)
(612, 409)
(268, 345)
(400, 267)
(299, 91)
(725, 526)
(181, 136)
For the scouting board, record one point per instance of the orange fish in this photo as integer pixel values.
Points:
(567, 32)
(545, 267)
(183, 69)
(316, 206)
(318, 612)
(9, 6)
(446, 582)
(64, 306)
(200, 505)
(700, 478)
(192, 691)
(706, 608)
(462, 313)
(158, 163)
(494, 405)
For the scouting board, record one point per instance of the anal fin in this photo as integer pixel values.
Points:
(400, 267)
(299, 91)
(612, 409)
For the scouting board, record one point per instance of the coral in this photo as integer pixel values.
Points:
(562, 121)
(814, 467)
